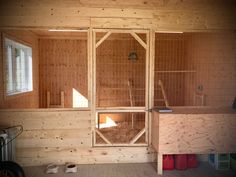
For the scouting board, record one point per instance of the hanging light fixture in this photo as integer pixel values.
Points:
(133, 55)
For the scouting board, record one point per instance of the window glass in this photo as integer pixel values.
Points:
(18, 67)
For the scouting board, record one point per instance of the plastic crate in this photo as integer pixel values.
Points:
(233, 161)
(219, 161)
(223, 157)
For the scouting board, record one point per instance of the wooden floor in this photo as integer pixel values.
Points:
(129, 170)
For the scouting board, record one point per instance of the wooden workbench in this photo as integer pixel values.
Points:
(189, 130)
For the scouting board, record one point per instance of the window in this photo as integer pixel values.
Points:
(18, 67)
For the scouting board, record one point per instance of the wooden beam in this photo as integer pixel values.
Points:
(159, 164)
(102, 136)
(48, 99)
(147, 68)
(122, 145)
(93, 94)
(141, 42)
(177, 71)
(103, 39)
(163, 93)
(151, 82)
(137, 136)
(121, 109)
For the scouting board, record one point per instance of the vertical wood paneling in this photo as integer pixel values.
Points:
(208, 61)
(215, 58)
(24, 100)
(63, 67)
(171, 67)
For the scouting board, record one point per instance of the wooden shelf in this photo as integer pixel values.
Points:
(120, 88)
(177, 71)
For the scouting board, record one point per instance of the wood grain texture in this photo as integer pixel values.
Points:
(196, 63)
(24, 100)
(42, 156)
(61, 136)
(63, 67)
(214, 57)
(174, 69)
(167, 15)
(196, 133)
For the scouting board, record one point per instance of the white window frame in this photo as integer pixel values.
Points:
(17, 66)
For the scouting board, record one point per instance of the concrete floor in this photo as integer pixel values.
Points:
(129, 170)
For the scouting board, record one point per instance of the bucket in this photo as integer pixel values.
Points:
(168, 162)
(181, 162)
(192, 161)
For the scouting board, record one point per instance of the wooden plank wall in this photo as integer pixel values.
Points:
(154, 14)
(64, 136)
(207, 61)
(197, 133)
(215, 58)
(63, 67)
(26, 100)
(114, 71)
(173, 68)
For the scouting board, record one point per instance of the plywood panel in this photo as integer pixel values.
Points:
(196, 132)
(25, 100)
(63, 67)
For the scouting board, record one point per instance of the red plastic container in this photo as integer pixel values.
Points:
(168, 162)
(181, 162)
(192, 161)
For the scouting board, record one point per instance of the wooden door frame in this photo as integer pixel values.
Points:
(148, 89)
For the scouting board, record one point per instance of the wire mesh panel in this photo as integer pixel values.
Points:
(175, 69)
(120, 128)
(120, 80)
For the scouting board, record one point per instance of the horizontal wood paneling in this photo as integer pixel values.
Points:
(64, 136)
(85, 155)
(165, 15)
(38, 120)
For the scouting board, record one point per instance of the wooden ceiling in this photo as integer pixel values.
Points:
(135, 4)
(143, 14)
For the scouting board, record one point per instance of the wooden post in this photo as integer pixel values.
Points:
(62, 99)
(163, 93)
(159, 164)
(131, 97)
(48, 99)
(151, 81)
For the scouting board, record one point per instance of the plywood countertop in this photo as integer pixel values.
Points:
(199, 110)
